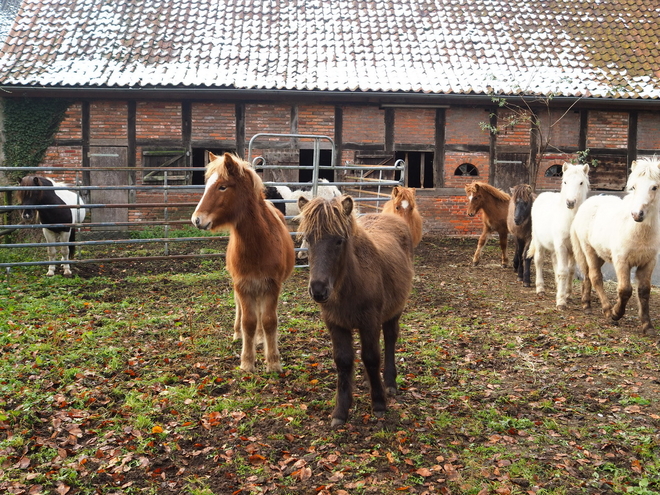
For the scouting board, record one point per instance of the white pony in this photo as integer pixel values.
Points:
(625, 232)
(552, 215)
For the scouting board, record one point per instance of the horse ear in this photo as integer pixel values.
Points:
(396, 191)
(212, 156)
(347, 205)
(633, 165)
(585, 169)
(565, 166)
(302, 201)
(230, 163)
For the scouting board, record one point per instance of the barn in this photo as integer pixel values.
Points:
(488, 90)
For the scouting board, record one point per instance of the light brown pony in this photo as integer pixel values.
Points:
(519, 222)
(494, 207)
(404, 205)
(260, 254)
(360, 272)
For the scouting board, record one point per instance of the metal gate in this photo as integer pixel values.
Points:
(166, 205)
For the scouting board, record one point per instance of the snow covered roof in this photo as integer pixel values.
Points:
(597, 48)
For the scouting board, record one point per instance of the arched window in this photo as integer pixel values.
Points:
(466, 169)
(554, 171)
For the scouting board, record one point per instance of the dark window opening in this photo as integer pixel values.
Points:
(155, 165)
(554, 171)
(199, 160)
(466, 169)
(419, 170)
(325, 160)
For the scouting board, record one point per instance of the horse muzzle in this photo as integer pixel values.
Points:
(570, 204)
(638, 216)
(200, 222)
(320, 291)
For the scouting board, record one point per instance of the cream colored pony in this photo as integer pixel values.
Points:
(625, 232)
(552, 215)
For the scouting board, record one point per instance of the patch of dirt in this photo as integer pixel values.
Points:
(476, 343)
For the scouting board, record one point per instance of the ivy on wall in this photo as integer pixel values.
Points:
(30, 127)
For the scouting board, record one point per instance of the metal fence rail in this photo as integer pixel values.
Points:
(173, 211)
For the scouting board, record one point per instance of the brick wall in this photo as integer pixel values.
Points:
(446, 214)
(364, 125)
(414, 126)
(316, 119)
(462, 126)
(108, 120)
(648, 130)
(443, 210)
(514, 129)
(158, 120)
(454, 159)
(213, 122)
(607, 130)
(561, 127)
(65, 157)
(71, 125)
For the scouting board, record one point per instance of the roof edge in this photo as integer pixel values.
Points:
(317, 96)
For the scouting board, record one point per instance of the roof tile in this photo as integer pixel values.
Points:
(568, 47)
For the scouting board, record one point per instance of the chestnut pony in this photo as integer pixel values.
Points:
(403, 204)
(260, 255)
(494, 206)
(360, 272)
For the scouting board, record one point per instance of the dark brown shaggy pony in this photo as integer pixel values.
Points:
(494, 207)
(519, 222)
(260, 255)
(360, 272)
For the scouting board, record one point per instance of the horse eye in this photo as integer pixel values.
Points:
(222, 188)
(655, 188)
(339, 241)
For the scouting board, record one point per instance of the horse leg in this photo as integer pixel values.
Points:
(596, 279)
(539, 254)
(520, 249)
(504, 239)
(480, 245)
(269, 329)
(516, 258)
(563, 272)
(624, 289)
(527, 262)
(370, 344)
(583, 265)
(342, 351)
(52, 250)
(237, 320)
(643, 276)
(64, 237)
(390, 337)
(249, 323)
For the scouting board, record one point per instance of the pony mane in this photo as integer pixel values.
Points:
(492, 190)
(522, 191)
(242, 168)
(644, 167)
(325, 216)
(28, 181)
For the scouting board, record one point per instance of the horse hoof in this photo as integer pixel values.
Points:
(336, 422)
(475, 263)
(527, 284)
(391, 391)
(561, 307)
(248, 368)
(67, 275)
(274, 368)
(379, 414)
